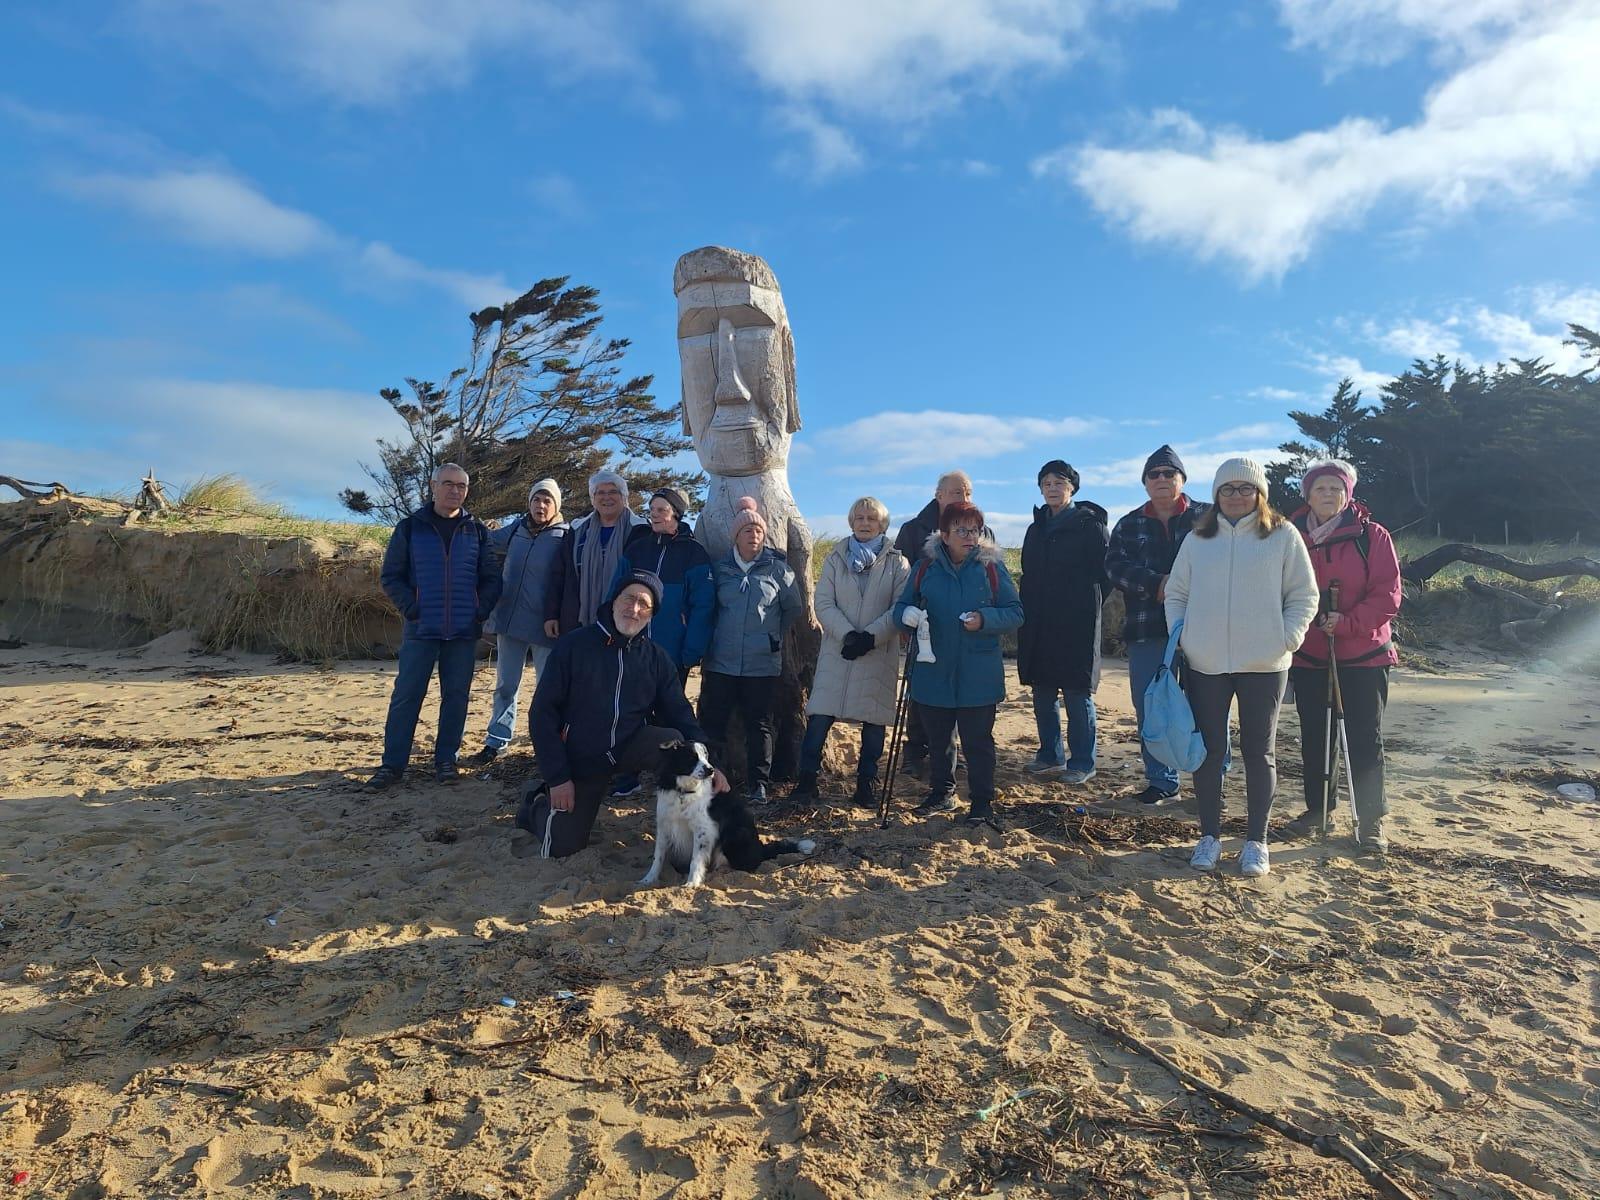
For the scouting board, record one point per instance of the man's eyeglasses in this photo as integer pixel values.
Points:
(1163, 473)
(452, 483)
(1245, 491)
(635, 603)
(966, 531)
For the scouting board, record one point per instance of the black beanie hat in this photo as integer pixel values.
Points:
(1164, 457)
(674, 497)
(1061, 467)
(645, 579)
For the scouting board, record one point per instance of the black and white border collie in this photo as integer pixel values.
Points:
(697, 831)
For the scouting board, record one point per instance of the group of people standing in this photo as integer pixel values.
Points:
(615, 610)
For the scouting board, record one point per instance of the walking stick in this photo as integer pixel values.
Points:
(1329, 747)
(902, 702)
(1340, 749)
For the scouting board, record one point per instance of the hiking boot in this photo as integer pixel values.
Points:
(1076, 775)
(916, 766)
(382, 780)
(1206, 853)
(805, 787)
(982, 813)
(1155, 796)
(757, 794)
(484, 757)
(446, 773)
(934, 803)
(625, 786)
(1308, 823)
(1042, 766)
(866, 794)
(1373, 839)
(1254, 861)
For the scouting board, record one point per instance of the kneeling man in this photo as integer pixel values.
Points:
(608, 701)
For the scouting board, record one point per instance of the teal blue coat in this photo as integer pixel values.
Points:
(970, 672)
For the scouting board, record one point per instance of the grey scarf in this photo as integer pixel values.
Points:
(597, 565)
(863, 554)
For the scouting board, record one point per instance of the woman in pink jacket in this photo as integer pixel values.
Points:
(1349, 548)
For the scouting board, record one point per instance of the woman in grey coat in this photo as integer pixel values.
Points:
(757, 601)
(528, 547)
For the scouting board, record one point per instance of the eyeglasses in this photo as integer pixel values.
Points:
(452, 483)
(1245, 491)
(965, 531)
(1163, 473)
(635, 603)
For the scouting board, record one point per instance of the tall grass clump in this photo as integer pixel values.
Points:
(227, 492)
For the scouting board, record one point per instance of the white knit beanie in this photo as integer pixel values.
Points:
(1240, 470)
(550, 488)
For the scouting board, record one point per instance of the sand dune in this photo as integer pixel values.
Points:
(226, 971)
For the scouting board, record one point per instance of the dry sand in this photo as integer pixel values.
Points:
(226, 971)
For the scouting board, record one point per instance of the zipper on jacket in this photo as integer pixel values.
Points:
(616, 702)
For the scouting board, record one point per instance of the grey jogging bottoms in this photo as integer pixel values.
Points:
(1260, 694)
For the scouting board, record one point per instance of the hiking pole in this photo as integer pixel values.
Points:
(902, 704)
(1336, 714)
(1329, 746)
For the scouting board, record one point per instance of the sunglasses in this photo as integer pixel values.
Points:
(1163, 473)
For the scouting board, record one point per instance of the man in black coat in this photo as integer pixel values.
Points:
(1058, 648)
(591, 713)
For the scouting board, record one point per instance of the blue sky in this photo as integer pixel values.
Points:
(1006, 230)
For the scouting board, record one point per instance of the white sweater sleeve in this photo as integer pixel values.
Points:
(1177, 601)
(1300, 597)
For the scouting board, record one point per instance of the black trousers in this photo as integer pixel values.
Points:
(564, 833)
(751, 696)
(977, 739)
(1365, 691)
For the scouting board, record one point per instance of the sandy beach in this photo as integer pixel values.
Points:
(227, 971)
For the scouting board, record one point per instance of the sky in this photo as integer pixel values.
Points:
(1006, 230)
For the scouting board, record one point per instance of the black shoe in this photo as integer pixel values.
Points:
(485, 756)
(447, 774)
(805, 788)
(1154, 796)
(757, 794)
(915, 766)
(934, 803)
(982, 813)
(866, 794)
(533, 791)
(382, 780)
(625, 786)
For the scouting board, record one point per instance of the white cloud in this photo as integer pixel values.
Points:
(1416, 337)
(221, 211)
(1278, 395)
(300, 445)
(977, 168)
(1382, 31)
(376, 51)
(209, 208)
(559, 195)
(1334, 367)
(1514, 123)
(829, 150)
(894, 441)
(1533, 324)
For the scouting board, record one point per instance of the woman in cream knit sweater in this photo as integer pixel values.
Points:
(1244, 589)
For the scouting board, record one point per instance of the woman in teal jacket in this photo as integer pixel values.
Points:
(961, 590)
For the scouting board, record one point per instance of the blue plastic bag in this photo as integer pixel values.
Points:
(1169, 731)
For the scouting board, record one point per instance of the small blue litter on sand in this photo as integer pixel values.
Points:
(507, 1002)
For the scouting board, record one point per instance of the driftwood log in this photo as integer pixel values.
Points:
(1330, 1145)
(1426, 566)
(27, 488)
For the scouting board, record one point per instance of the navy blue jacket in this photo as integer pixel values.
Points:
(682, 625)
(597, 690)
(1142, 551)
(1062, 589)
(444, 592)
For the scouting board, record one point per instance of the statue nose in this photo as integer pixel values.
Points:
(730, 388)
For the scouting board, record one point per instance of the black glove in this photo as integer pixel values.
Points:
(856, 643)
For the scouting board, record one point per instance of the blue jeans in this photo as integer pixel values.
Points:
(511, 656)
(817, 727)
(1144, 660)
(418, 657)
(1078, 754)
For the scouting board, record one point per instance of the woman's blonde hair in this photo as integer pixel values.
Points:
(878, 509)
(1267, 518)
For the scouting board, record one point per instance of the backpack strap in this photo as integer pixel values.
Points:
(994, 583)
(919, 575)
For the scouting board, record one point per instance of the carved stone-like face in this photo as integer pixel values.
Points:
(737, 357)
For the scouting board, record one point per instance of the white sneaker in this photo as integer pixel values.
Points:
(1076, 775)
(1206, 853)
(1253, 862)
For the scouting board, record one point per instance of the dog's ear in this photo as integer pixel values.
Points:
(672, 745)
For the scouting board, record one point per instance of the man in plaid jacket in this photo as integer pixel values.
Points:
(1138, 560)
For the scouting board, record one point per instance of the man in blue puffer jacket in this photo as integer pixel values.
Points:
(442, 573)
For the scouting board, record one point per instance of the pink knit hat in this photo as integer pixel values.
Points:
(748, 514)
(1329, 466)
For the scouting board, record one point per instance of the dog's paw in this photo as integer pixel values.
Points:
(649, 879)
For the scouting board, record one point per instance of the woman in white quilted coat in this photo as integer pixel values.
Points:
(858, 669)
(1243, 587)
